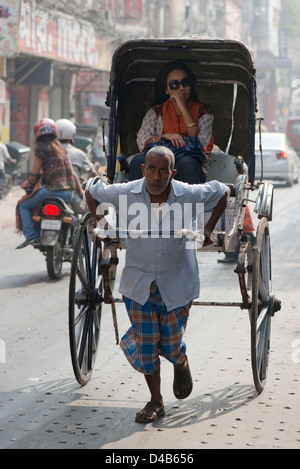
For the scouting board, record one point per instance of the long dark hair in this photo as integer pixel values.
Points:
(160, 95)
(48, 146)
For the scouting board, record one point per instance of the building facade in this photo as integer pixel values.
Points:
(50, 68)
(55, 58)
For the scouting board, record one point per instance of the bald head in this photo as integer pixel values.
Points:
(163, 152)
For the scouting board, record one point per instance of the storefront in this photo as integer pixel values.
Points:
(9, 27)
(43, 71)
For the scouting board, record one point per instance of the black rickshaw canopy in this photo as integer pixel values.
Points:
(225, 81)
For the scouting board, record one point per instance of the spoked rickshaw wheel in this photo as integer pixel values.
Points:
(263, 305)
(85, 300)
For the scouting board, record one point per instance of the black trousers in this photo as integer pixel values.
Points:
(189, 169)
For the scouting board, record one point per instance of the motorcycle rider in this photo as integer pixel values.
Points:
(83, 167)
(52, 162)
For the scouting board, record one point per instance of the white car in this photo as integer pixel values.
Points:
(280, 160)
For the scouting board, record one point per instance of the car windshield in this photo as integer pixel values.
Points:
(269, 140)
(296, 128)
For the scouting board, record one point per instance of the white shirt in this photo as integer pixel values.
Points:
(173, 264)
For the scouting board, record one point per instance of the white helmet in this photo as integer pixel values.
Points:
(66, 130)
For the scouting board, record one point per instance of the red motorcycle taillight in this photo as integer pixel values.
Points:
(51, 210)
(282, 155)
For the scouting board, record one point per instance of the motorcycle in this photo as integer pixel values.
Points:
(58, 224)
(13, 171)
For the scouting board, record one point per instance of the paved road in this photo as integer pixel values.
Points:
(42, 406)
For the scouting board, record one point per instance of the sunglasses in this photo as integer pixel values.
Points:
(175, 84)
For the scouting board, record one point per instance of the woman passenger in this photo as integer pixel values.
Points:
(176, 119)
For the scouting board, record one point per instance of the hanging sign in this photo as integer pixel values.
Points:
(54, 35)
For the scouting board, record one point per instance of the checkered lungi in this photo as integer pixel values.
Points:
(154, 331)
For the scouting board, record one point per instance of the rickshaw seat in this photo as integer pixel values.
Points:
(221, 167)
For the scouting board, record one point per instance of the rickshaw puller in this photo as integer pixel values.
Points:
(160, 278)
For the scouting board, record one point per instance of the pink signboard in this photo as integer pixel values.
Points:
(62, 37)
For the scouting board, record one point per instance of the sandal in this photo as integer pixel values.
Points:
(27, 242)
(151, 412)
(183, 383)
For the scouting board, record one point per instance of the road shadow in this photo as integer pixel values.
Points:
(209, 406)
(29, 278)
(59, 415)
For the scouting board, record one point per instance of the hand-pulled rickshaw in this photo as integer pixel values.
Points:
(226, 81)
